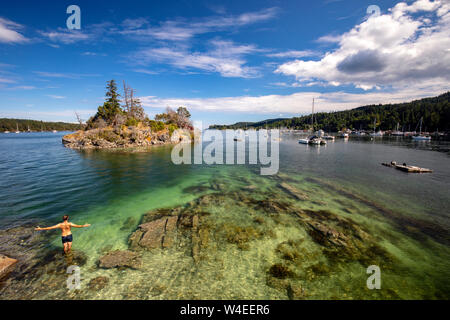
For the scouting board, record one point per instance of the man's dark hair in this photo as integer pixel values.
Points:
(65, 217)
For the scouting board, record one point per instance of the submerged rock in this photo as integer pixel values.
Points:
(276, 283)
(98, 283)
(280, 271)
(160, 233)
(196, 189)
(158, 213)
(294, 192)
(241, 235)
(129, 223)
(296, 292)
(6, 265)
(288, 251)
(199, 238)
(218, 185)
(120, 259)
(326, 236)
(417, 228)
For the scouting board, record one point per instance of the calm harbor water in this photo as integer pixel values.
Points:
(403, 219)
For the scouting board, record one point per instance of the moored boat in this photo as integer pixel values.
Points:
(420, 136)
(303, 141)
(374, 133)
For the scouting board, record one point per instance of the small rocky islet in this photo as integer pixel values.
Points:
(331, 243)
(124, 137)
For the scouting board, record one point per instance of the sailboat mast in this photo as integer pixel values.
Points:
(312, 116)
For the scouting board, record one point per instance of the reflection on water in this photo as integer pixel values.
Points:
(309, 232)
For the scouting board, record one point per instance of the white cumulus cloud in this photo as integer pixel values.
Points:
(297, 103)
(406, 46)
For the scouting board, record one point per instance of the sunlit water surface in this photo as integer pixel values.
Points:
(407, 215)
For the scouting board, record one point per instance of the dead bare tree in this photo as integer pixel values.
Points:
(132, 106)
(80, 121)
(127, 92)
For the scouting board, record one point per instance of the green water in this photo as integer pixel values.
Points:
(404, 218)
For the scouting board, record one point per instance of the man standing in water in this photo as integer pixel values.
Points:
(65, 227)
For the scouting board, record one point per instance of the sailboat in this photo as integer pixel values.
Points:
(314, 139)
(17, 128)
(397, 132)
(374, 133)
(420, 136)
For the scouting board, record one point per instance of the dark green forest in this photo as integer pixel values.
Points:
(435, 112)
(35, 125)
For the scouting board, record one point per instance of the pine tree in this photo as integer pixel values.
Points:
(110, 109)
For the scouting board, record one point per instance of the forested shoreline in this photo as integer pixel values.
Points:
(7, 124)
(435, 112)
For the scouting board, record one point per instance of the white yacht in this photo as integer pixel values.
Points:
(303, 141)
(314, 139)
(420, 136)
(374, 133)
(396, 132)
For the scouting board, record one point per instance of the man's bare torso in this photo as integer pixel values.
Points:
(65, 228)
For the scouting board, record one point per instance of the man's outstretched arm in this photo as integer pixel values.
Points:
(79, 226)
(48, 228)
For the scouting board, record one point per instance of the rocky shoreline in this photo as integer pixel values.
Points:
(330, 242)
(124, 137)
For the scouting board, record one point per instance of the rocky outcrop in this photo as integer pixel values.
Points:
(180, 227)
(123, 137)
(120, 259)
(6, 265)
(160, 233)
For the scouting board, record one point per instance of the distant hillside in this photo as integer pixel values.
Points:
(435, 112)
(35, 125)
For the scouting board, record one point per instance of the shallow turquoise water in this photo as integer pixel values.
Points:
(406, 215)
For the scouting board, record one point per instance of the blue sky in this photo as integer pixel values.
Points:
(226, 61)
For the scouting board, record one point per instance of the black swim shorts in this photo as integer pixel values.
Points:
(67, 238)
